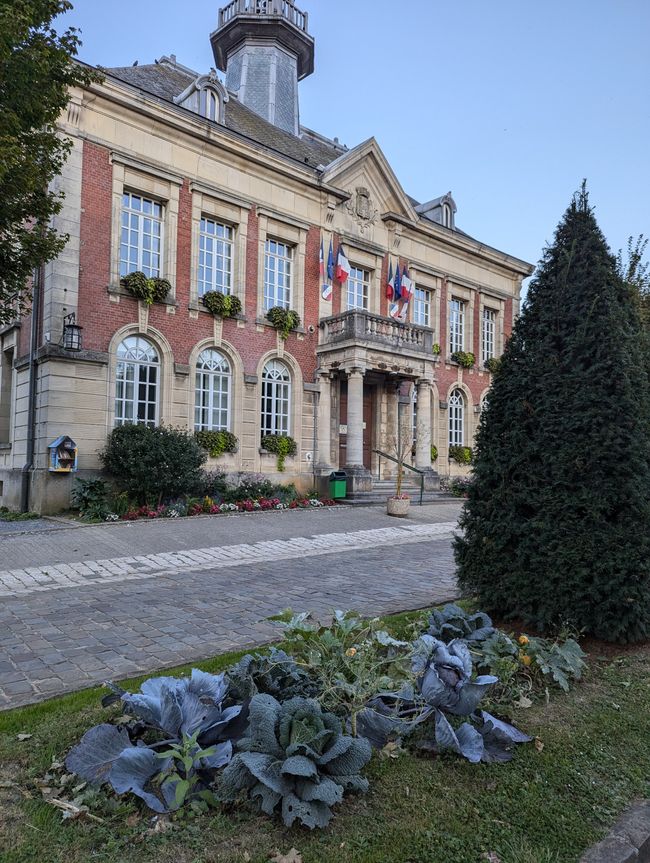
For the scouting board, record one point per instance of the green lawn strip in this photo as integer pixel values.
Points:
(543, 807)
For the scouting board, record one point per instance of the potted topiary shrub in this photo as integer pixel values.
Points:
(399, 446)
(281, 446)
(465, 359)
(284, 320)
(222, 305)
(149, 290)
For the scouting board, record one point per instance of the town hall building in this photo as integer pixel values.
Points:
(211, 183)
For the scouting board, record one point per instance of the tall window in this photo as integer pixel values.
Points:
(358, 287)
(456, 325)
(215, 257)
(209, 102)
(212, 392)
(488, 335)
(141, 237)
(276, 398)
(278, 275)
(456, 419)
(136, 385)
(422, 307)
(6, 394)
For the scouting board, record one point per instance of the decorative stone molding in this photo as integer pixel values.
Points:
(362, 209)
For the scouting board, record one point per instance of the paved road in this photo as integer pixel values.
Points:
(81, 605)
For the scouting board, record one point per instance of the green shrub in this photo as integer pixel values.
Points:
(492, 364)
(153, 463)
(7, 515)
(436, 349)
(249, 486)
(461, 454)
(217, 442)
(281, 445)
(222, 305)
(434, 453)
(466, 359)
(90, 497)
(143, 288)
(213, 484)
(284, 320)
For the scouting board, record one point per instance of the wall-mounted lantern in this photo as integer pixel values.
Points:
(63, 455)
(71, 338)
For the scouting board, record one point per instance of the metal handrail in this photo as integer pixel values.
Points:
(404, 465)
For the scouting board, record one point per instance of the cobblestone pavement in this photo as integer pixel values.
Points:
(81, 624)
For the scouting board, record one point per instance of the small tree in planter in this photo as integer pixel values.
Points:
(222, 305)
(281, 446)
(284, 320)
(400, 446)
(149, 290)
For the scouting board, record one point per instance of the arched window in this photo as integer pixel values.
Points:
(457, 419)
(136, 383)
(276, 398)
(446, 215)
(212, 392)
(209, 103)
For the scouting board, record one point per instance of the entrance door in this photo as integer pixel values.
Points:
(368, 404)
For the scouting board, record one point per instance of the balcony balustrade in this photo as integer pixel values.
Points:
(358, 325)
(283, 8)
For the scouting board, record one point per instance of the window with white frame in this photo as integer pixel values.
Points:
(422, 307)
(488, 336)
(358, 288)
(456, 325)
(212, 392)
(136, 383)
(215, 256)
(278, 275)
(141, 235)
(209, 103)
(457, 419)
(276, 398)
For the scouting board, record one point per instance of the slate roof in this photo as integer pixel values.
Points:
(166, 81)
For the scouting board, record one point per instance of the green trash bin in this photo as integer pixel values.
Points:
(338, 484)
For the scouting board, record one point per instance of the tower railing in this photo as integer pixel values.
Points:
(283, 8)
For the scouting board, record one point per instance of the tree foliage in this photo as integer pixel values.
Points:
(556, 526)
(636, 272)
(37, 68)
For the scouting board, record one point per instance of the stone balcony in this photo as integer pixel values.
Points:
(361, 327)
(282, 8)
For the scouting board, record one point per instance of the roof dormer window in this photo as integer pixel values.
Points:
(205, 96)
(446, 216)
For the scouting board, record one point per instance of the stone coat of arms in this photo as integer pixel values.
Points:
(361, 208)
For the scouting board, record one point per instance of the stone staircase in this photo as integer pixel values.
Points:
(384, 488)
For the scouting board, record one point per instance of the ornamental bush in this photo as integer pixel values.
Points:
(466, 359)
(434, 452)
(553, 530)
(143, 288)
(461, 454)
(153, 463)
(216, 443)
(222, 305)
(284, 320)
(281, 445)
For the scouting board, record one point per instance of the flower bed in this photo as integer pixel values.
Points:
(208, 506)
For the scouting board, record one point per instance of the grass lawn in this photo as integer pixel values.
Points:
(545, 806)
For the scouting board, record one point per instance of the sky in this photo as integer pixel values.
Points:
(508, 104)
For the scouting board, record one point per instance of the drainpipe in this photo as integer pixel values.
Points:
(31, 405)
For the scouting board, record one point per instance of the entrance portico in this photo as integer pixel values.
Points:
(365, 362)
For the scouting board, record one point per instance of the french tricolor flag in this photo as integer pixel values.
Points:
(390, 284)
(342, 267)
(407, 285)
(322, 261)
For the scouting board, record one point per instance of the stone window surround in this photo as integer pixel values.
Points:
(284, 229)
(295, 407)
(428, 282)
(467, 296)
(140, 178)
(230, 210)
(497, 305)
(372, 263)
(237, 392)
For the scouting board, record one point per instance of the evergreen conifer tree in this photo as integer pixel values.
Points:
(557, 523)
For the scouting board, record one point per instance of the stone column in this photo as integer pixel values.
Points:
(324, 440)
(423, 442)
(359, 477)
(355, 419)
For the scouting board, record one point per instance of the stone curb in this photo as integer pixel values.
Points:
(628, 841)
